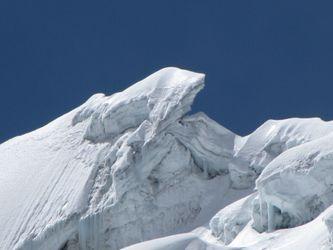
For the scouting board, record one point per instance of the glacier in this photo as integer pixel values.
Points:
(137, 170)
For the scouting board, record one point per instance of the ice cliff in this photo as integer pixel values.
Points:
(117, 170)
(290, 165)
(296, 186)
(267, 142)
(135, 166)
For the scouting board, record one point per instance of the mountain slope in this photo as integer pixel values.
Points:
(134, 166)
(291, 206)
(117, 170)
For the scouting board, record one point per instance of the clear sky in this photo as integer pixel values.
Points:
(262, 59)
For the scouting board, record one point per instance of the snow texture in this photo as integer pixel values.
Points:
(228, 222)
(328, 219)
(134, 166)
(291, 164)
(115, 171)
(296, 186)
(255, 151)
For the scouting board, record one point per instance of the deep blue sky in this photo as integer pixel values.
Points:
(262, 59)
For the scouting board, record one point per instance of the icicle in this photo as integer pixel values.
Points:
(270, 215)
(225, 234)
(261, 210)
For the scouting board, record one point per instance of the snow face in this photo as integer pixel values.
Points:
(296, 186)
(254, 152)
(290, 160)
(133, 166)
(43, 176)
(228, 222)
(210, 144)
(160, 99)
(99, 175)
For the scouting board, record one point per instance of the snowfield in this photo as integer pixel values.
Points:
(133, 170)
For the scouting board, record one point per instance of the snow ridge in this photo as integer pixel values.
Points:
(128, 162)
(133, 166)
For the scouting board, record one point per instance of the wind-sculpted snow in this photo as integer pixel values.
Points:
(257, 150)
(117, 170)
(296, 186)
(160, 99)
(43, 177)
(142, 185)
(210, 144)
(228, 222)
(292, 163)
(135, 166)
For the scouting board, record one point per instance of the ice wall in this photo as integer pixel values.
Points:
(143, 187)
(255, 151)
(115, 171)
(134, 166)
(296, 186)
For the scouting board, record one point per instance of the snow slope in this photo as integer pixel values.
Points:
(117, 170)
(134, 166)
(292, 205)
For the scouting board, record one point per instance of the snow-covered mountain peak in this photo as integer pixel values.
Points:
(135, 166)
(160, 99)
(99, 174)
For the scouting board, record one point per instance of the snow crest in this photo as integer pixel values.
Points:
(134, 166)
(120, 169)
(267, 142)
(296, 186)
(160, 100)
